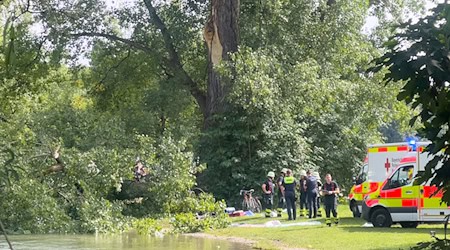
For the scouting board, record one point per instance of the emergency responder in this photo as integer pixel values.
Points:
(281, 198)
(303, 194)
(288, 188)
(330, 191)
(319, 187)
(267, 188)
(311, 193)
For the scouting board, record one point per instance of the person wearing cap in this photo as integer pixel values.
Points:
(319, 187)
(281, 198)
(267, 188)
(288, 189)
(311, 192)
(303, 194)
(330, 191)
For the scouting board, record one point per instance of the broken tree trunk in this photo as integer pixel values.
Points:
(221, 36)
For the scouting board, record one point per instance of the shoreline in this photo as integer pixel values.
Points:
(245, 241)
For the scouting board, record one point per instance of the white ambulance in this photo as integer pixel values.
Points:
(381, 160)
(400, 200)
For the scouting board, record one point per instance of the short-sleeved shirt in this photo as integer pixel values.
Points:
(289, 184)
(332, 186)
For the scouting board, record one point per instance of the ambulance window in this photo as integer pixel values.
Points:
(362, 177)
(402, 177)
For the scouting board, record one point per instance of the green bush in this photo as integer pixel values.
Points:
(100, 216)
(146, 226)
(31, 207)
(199, 214)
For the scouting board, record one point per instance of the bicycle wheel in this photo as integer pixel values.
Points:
(245, 205)
(258, 205)
(253, 205)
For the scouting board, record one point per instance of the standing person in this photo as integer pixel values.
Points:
(281, 198)
(311, 192)
(267, 188)
(288, 189)
(303, 194)
(330, 191)
(319, 187)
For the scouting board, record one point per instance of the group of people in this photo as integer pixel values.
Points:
(311, 191)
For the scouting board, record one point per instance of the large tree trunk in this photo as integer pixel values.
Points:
(221, 35)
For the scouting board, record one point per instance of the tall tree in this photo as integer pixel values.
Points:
(158, 31)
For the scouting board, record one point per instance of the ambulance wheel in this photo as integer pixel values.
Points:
(409, 224)
(355, 209)
(381, 218)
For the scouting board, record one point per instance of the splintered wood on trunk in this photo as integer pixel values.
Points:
(221, 36)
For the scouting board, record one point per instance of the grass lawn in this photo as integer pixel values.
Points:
(348, 235)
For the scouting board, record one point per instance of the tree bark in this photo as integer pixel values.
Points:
(221, 34)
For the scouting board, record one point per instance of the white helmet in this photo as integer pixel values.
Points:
(284, 170)
(302, 173)
(271, 174)
(316, 174)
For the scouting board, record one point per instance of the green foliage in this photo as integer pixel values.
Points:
(418, 56)
(99, 215)
(31, 206)
(207, 214)
(146, 226)
(172, 174)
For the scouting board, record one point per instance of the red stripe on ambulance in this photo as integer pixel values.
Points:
(409, 203)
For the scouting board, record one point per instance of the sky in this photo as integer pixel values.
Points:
(372, 21)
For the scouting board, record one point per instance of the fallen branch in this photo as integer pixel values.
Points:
(6, 236)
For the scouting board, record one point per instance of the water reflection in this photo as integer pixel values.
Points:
(122, 242)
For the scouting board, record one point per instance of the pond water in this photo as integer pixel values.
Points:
(122, 242)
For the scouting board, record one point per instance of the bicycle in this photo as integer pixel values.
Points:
(249, 202)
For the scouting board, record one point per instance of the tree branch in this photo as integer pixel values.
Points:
(129, 42)
(6, 236)
(174, 59)
(115, 66)
(168, 42)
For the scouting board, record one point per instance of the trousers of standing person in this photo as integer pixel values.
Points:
(330, 203)
(303, 203)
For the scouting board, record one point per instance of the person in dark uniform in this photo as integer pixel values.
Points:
(330, 191)
(311, 192)
(267, 188)
(281, 199)
(303, 194)
(288, 188)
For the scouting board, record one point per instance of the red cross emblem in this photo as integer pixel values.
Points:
(387, 165)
